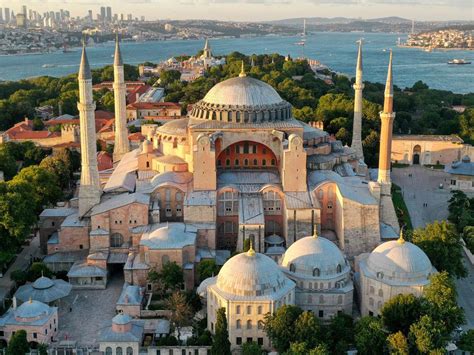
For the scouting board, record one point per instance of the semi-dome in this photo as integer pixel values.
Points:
(252, 274)
(400, 260)
(242, 100)
(32, 309)
(169, 236)
(315, 257)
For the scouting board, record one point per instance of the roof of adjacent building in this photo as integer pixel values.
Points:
(463, 167)
(173, 235)
(428, 137)
(124, 176)
(57, 212)
(44, 290)
(120, 200)
(73, 221)
(29, 313)
(140, 105)
(82, 269)
(108, 335)
(131, 295)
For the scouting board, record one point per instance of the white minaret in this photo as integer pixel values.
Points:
(357, 126)
(122, 145)
(89, 191)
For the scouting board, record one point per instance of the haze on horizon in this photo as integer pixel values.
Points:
(262, 10)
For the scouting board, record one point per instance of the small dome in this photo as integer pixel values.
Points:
(314, 257)
(242, 91)
(251, 274)
(32, 309)
(400, 260)
(466, 159)
(43, 283)
(175, 235)
(121, 319)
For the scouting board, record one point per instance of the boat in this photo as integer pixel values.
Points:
(48, 66)
(458, 61)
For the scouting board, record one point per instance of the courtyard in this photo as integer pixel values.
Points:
(84, 313)
(422, 185)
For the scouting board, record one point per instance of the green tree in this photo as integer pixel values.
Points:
(426, 335)
(307, 329)
(340, 333)
(169, 76)
(370, 337)
(18, 343)
(180, 311)
(59, 168)
(279, 326)
(7, 163)
(297, 348)
(207, 268)
(400, 312)
(172, 276)
(466, 341)
(442, 245)
(221, 343)
(321, 349)
(251, 348)
(398, 344)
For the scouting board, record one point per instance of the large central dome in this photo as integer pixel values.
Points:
(242, 100)
(242, 91)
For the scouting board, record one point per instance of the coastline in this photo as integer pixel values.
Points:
(440, 49)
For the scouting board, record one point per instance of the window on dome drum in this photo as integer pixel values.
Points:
(228, 203)
(116, 240)
(292, 267)
(118, 350)
(271, 202)
(339, 268)
(237, 116)
(316, 272)
(108, 350)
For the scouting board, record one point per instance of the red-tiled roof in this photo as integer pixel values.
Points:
(108, 126)
(106, 115)
(153, 105)
(30, 135)
(104, 161)
(136, 137)
(140, 90)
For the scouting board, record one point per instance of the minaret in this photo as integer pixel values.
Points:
(387, 116)
(122, 145)
(357, 126)
(387, 210)
(89, 191)
(207, 50)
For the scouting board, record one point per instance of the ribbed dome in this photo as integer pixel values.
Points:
(314, 256)
(400, 260)
(242, 91)
(251, 274)
(32, 309)
(43, 283)
(242, 100)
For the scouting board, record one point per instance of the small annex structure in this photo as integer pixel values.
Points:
(462, 175)
(125, 335)
(44, 290)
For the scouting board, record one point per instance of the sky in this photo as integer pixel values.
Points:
(259, 10)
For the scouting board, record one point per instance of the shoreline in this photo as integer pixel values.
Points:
(440, 49)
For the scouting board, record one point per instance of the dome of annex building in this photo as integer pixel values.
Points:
(315, 257)
(252, 274)
(400, 260)
(32, 309)
(121, 319)
(43, 283)
(242, 100)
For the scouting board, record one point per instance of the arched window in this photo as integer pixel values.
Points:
(246, 162)
(236, 162)
(229, 116)
(116, 240)
(371, 301)
(108, 350)
(264, 162)
(227, 162)
(129, 350)
(255, 162)
(237, 116)
(259, 310)
(118, 350)
(147, 164)
(292, 267)
(321, 299)
(260, 325)
(238, 324)
(371, 290)
(316, 272)
(339, 268)
(273, 162)
(249, 324)
(175, 143)
(214, 117)
(380, 293)
(237, 309)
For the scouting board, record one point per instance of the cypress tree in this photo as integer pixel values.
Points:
(221, 343)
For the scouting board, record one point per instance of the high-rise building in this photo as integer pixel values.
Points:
(24, 10)
(90, 15)
(102, 13)
(1, 14)
(109, 14)
(7, 15)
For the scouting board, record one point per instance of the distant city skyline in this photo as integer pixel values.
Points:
(261, 10)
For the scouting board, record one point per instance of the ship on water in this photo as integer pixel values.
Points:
(458, 62)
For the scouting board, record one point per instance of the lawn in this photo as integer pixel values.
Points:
(401, 208)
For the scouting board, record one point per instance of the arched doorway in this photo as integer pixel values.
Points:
(416, 154)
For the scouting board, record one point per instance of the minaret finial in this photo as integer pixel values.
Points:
(359, 56)
(31, 300)
(118, 54)
(242, 71)
(389, 82)
(251, 252)
(84, 68)
(401, 239)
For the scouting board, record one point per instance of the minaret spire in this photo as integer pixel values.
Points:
(242, 71)
(387, 116)
(121, 144)
(89, 190)
(357, 125)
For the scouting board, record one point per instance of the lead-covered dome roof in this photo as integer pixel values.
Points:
(32, 309)
(252, 274)
(242, 100)
(400, 260)
(315, 257)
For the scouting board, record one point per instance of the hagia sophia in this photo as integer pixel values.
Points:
(238, 167)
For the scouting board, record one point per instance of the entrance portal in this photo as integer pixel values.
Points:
(416, 154)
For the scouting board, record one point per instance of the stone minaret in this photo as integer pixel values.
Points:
(122, 145)
(207, 50)
(387, 211)
(357, 126)
(387, 116)
(89, 191)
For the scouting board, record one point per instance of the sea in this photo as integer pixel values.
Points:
(336, 50)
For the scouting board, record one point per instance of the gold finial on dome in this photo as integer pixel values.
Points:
(242, 71)
(315, 232)
(31, 300)
(251, 252)
(401, 240)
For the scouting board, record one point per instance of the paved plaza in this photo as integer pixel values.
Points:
(423, 186)
(92, 310)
